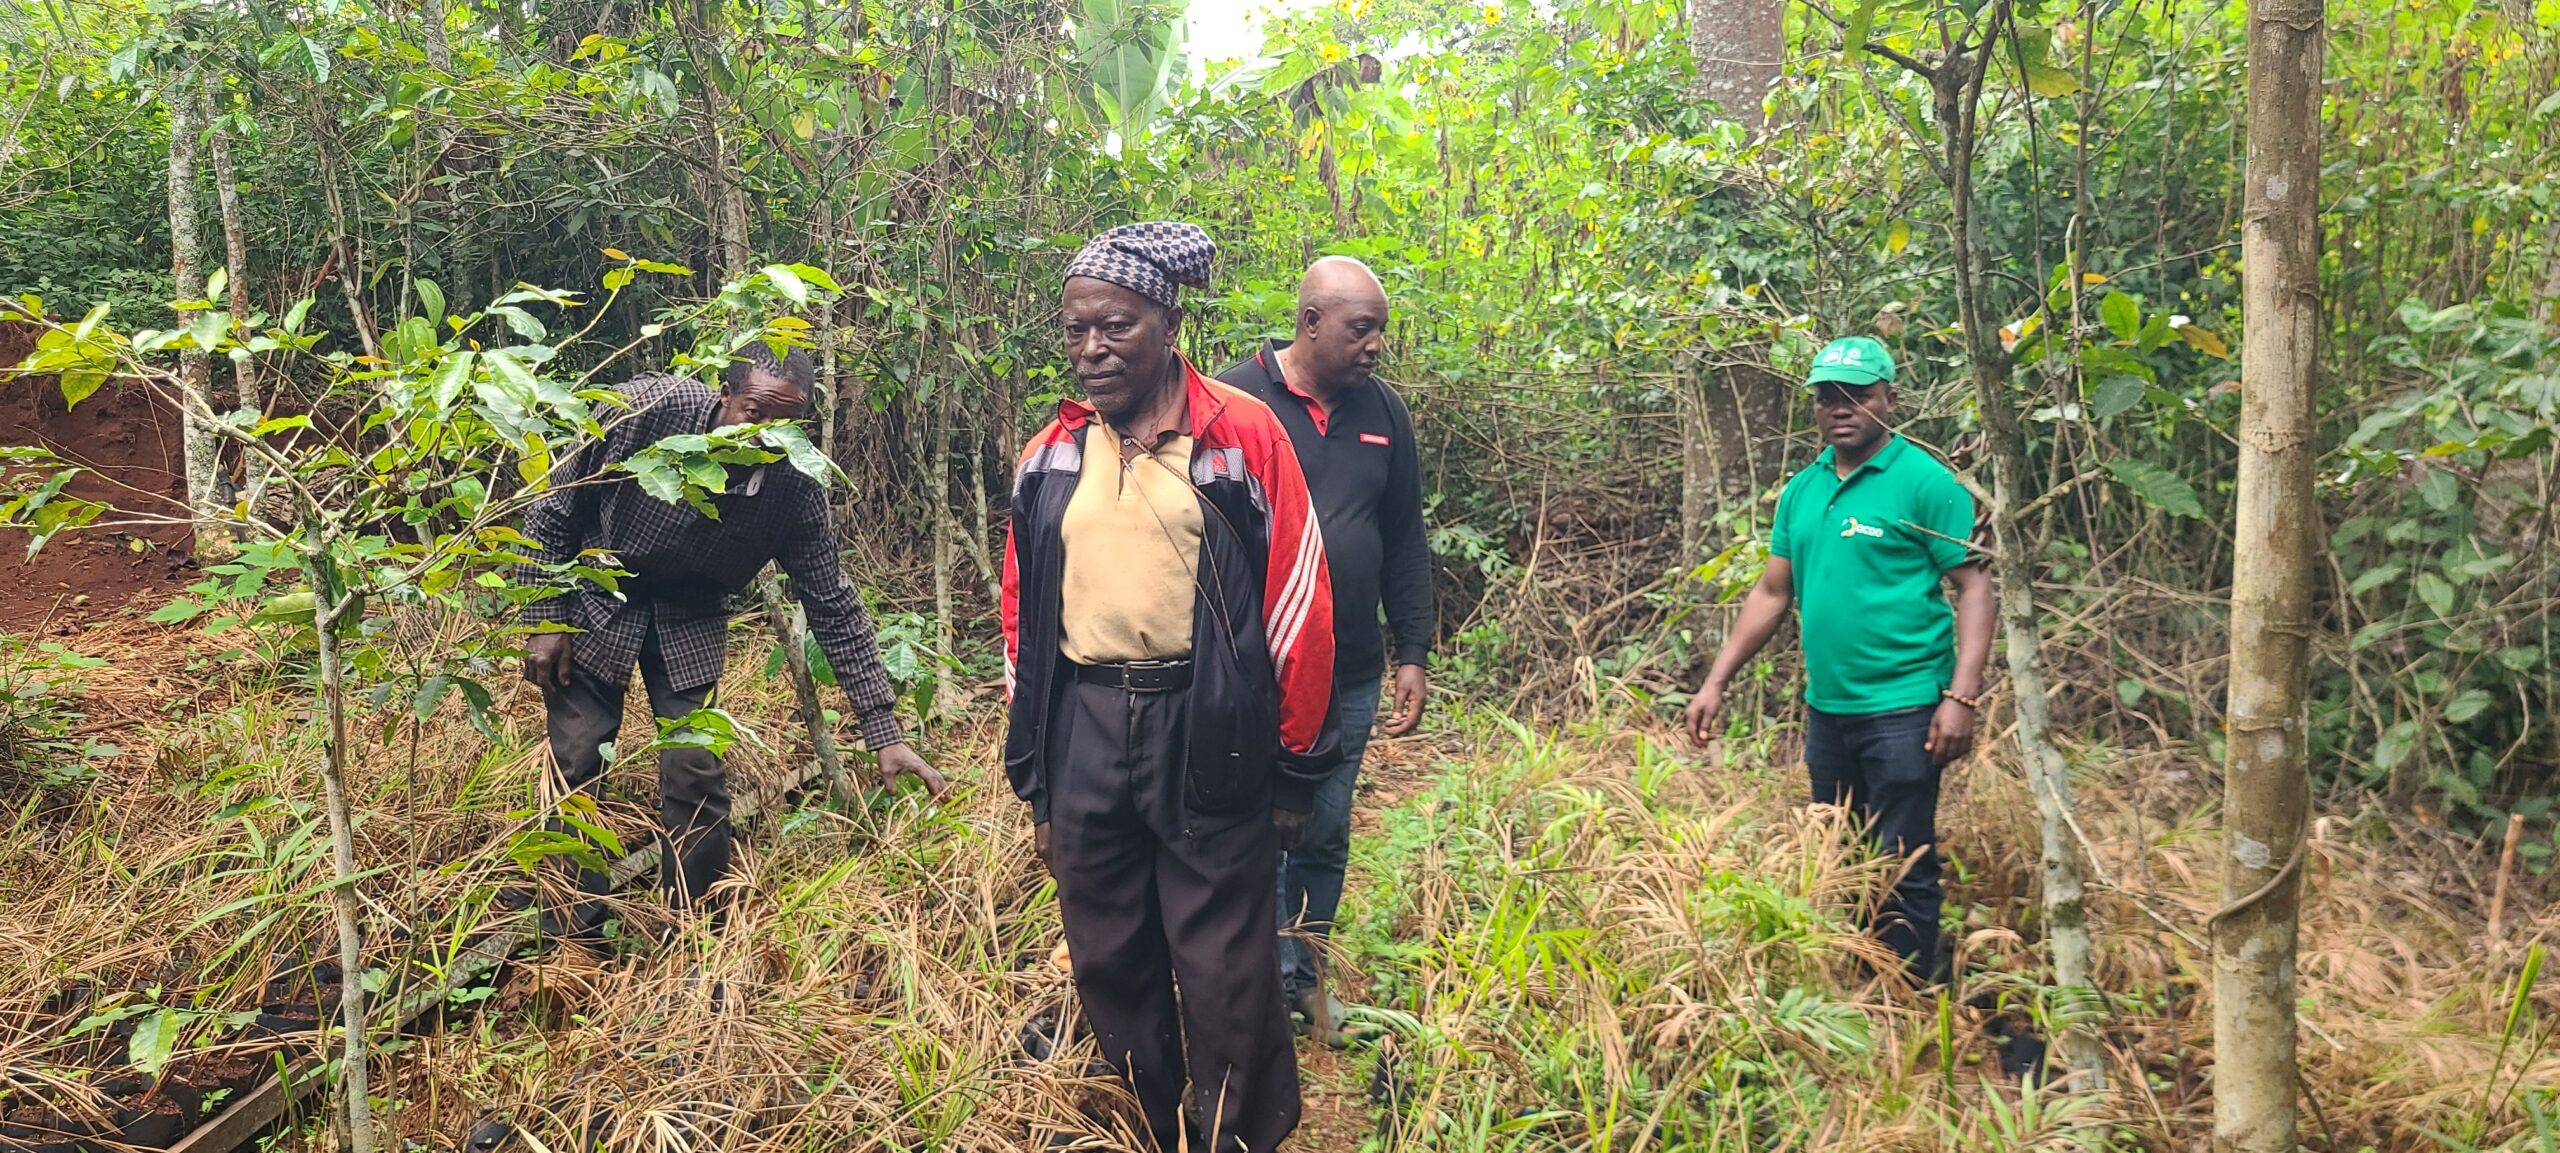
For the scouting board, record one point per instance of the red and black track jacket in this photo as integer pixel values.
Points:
(1261, 627)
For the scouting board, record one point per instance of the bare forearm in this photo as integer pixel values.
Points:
(1976, 613)
(1762, 612)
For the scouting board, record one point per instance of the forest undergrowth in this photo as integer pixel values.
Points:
(1574, 938)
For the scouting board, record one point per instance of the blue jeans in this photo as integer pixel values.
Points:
(1879, 764)
(1311, 874)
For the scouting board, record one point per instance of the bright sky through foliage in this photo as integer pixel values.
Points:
(1229, 29)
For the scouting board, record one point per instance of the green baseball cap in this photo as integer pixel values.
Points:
(1852, 360)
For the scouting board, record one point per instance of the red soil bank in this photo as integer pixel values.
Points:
(130, 443)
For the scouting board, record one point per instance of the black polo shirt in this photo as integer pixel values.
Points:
(1365, 474)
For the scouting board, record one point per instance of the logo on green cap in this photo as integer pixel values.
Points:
(1856, 360)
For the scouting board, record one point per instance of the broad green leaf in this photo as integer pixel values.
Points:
(2121, 314)
(1130, 49)
(706, 474)
(80, 385)
(1862, 23)
(816, 276)
(2104, 360)
(280, 424)
(2046, 80)
(207, 329)
(155, 1038)
(2395, 745)
(2158, 487)
(430, 302)
(803, 455)
(522, 323)
(2116, 394)
(2439, 489)
(445, 386)
(293, 316)
(789, 282)
(88, 324)
(430, 694)
(535, 465)
(2436, 591)
(657, 478)
(2468, 704)
(2375, 578)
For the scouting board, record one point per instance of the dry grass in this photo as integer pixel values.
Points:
(1585, 941)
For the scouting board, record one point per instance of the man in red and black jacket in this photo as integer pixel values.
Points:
(1169, 642)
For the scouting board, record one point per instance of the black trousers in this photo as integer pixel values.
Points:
(693, 788)
(1154, 901)
(1880, 765)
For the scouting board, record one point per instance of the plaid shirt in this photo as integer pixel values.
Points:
(685, 567)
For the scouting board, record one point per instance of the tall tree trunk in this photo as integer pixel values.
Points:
(330, 603)
(1733, 420)
(235, 250)
(946, 528)
(982, 530)
(198, 443)
(1739, 46)
(2266, 792)
(1731, 413)
(1957, 91)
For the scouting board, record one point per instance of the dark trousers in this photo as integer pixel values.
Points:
(1880, 765)
(1311, 874)
(1154, 900)
(693, 787)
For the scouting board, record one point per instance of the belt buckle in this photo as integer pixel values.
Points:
(1144, 676)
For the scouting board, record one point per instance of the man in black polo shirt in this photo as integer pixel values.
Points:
(1354, 439)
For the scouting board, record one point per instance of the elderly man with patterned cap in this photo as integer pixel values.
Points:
(1168, 628)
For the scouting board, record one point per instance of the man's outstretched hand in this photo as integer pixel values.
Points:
(1704, 709)
(900, 761)
(1413, 683)
(546, 660)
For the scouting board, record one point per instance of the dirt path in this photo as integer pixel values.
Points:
(1335, 1110)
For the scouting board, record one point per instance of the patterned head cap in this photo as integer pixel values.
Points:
(1154, 259)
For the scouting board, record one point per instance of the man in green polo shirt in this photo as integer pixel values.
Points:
(1893, 678)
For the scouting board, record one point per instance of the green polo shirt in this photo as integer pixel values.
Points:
(1878, 633)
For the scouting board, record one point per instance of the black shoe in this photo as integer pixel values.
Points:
(1042, 1036)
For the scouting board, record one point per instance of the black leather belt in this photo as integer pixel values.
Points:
(1137, 676)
